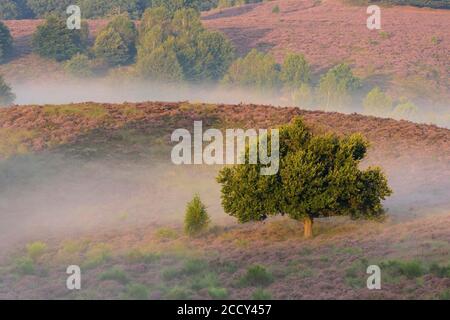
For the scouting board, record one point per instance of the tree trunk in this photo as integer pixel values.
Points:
(308, 225)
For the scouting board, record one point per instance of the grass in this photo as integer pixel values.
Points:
(97, 255)
(35, 250)
(208, 280)
(256, 275)
(409, 269)
(444, 295)
(218, 293)
(261, 294)
(25, 266)
(93, 111)
(440, 271)
(136, 291)
(15, 141)
(166, 234)
(116, 274)
(136, 255)
(178, 293)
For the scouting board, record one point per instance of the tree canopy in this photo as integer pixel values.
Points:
(318, 177)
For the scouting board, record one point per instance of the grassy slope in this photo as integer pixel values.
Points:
(158, 261)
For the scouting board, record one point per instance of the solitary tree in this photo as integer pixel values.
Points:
(318, 177)
(295, 71)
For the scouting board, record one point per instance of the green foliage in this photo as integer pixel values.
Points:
(5, 42)
(178, 293)
(196, 218)
(115, 44)
(377, 103)
(174, 46)
(295, 71)
(261, 294)
(55, 41)
(303, 96)
(409, 269)
(136, 291)
(218, 293)
(36, 249)
(406, 110)
(14, 9)
(41, 8)
(256, 276)
(318, 177)
(79, 66)
(336, 86)
(257, 70)
(6, 95)
(25, 266)
(232, 3)
(116, 274)
(276, 9)
(440, 271)
(101, 8)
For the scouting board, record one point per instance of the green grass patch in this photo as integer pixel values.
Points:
(218, 293)
(116, 274)
(261, 294)
(256, 275)
(97, 255)
(35, 250)
(136, 291)
(409, 269)
(94, 111)
(15, 141)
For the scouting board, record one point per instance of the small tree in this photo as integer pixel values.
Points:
(303, 96)
(336, 87)
(55, 41)
(257, 70)
(405, 110)
(377, 103)
(295, 71)
(6, 95)
(318, 177)
(5, 42)
(79, 66)
(196, 218)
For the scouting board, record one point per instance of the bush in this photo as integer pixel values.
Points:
(440, 271)
(406, 110)
(55, 41)
(136, 291)
(36, 249)
(261, 294)
(409, 269)
(336, 87)
(318, 176)
(115, 274)
(5, 42)
(295, 71)
(377, 103)
(218, 293)
(257, 71)
(25, 266)
(79, 66)
(256, 276)
(196, 219)
(276, 9)
(6, 95)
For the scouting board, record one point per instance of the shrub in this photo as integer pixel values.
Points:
(318, 176)
(116, 274)
(440, 271)
(276, 9)
(136, 291)
(196, 218)
(25, 266)
(6, 95)
(261, 294)
(218, 293)
(295, 71)
(409, 269)
(178, 293)
(36, 249)
(55, 41)
(406, 110)
(256, 276)
(336, 87)
(377, 103)
(79, 66)
(5, 42)
(97, 255)
(256, 70)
